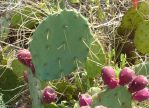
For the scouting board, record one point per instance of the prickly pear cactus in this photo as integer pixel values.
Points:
(96, 59)
(132, 18)
(60, 44)
(142, 68)
(141, 37)
(4, 28)
(115, 98)
(9, 80)
(35, 92)
(26, 16)
(126, 31)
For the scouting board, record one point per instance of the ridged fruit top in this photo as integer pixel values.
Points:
(60, 44)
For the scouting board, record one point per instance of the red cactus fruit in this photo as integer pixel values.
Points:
(85, 100)
(24, 56)
(107, 74)
(126, 75)
(25, 75)
(138, 83)
(100, 106)
(49, 95)
(141, 95)
(113, 83)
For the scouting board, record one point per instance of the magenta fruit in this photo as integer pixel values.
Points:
(85, 100)
(49, 95)
(107, 74)
(138, 83)
(126, 75)
(113, 83)
(141, 95)
(25, 75)
(24, 56)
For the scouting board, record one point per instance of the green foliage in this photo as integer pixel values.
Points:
(2, 104)
(60, 44)
(66, 88)
(141, 37)
(142, 68)
(4, 28)
(35, 92)
(27, 17)
(132, 18)
(74, 1)
(93, 91)
(9, 80)
(115, 98)
(18, 67)
(96, 60)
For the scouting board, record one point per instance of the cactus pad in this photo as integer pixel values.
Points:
(60, 44)
(35, 92)
(115, 98)
(133, 18)
(141, 37)
(9, 80)
(142, 68)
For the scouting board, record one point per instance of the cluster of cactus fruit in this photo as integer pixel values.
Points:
(134, 84)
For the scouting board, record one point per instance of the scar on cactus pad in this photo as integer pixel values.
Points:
(60, 44)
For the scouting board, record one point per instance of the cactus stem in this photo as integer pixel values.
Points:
(34, 86)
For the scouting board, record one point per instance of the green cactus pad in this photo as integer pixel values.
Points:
(4, 28)
(26, 16)
(9, 80)
(35, 92)
(142, 68)
(115, 98)
(96, 60)
(142, 37)
(60, 44)
(132, 18)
